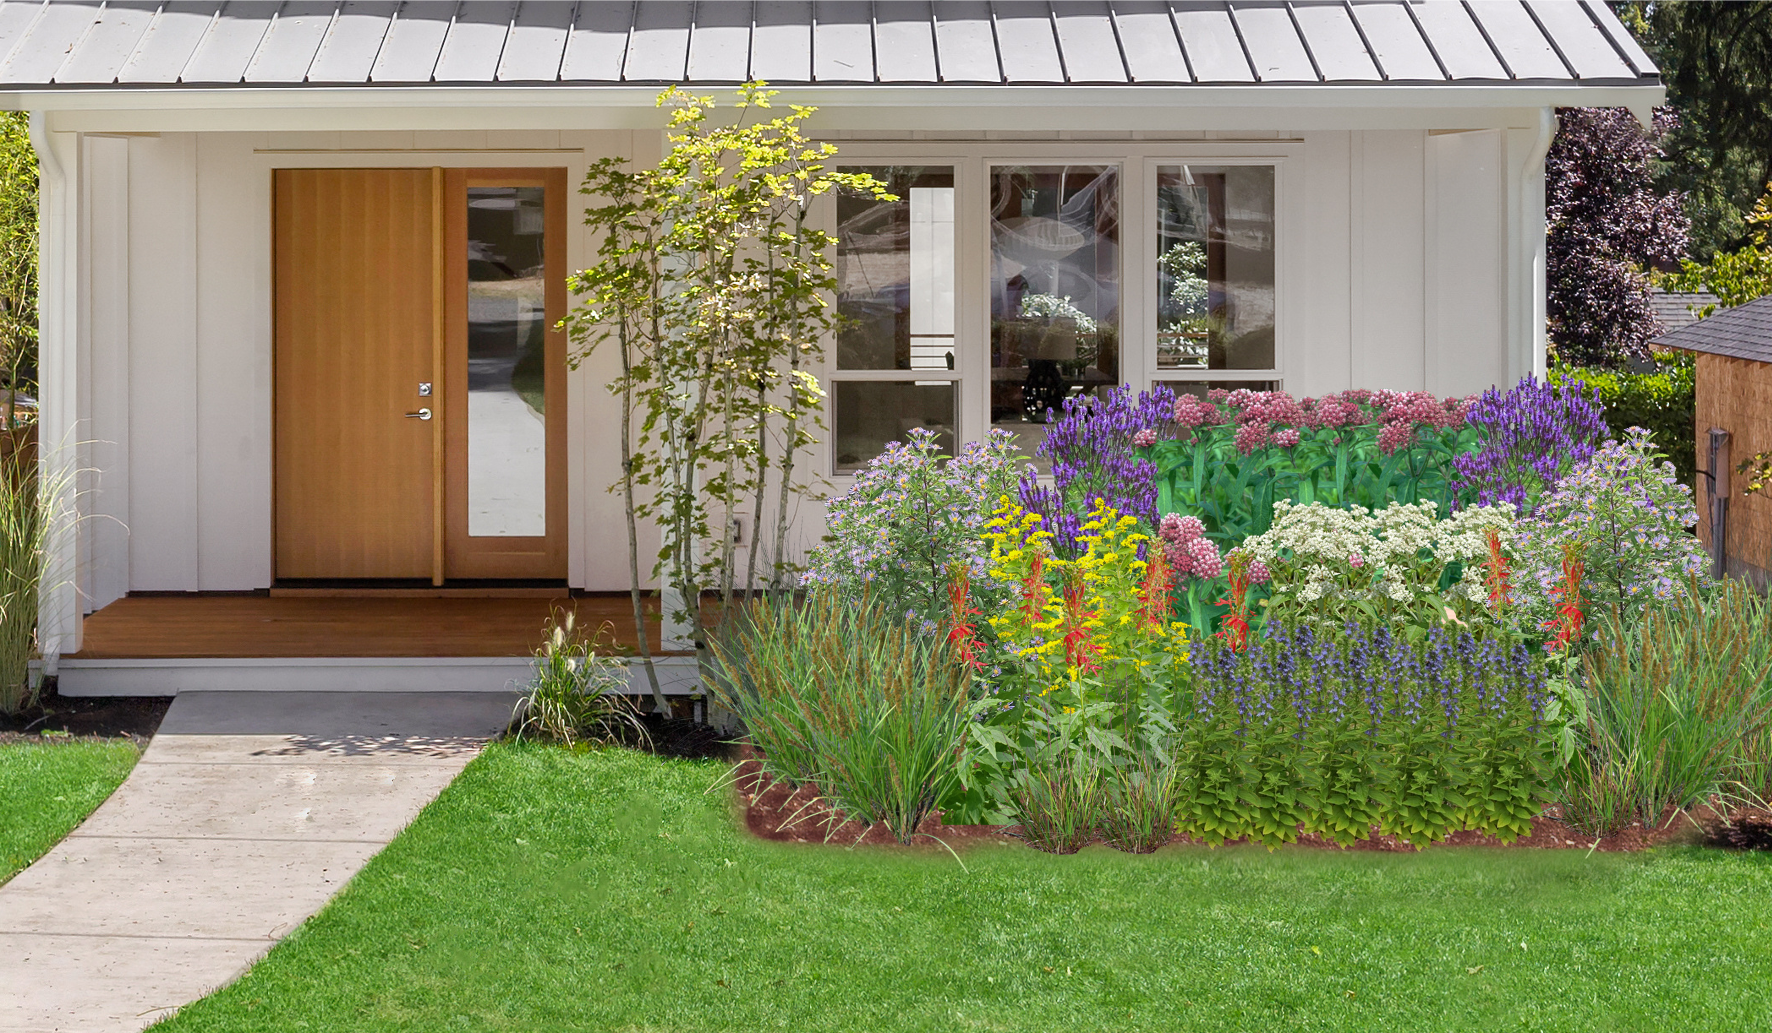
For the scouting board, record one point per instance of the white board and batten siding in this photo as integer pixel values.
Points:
(1399, 278)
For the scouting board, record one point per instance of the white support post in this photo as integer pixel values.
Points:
(58, 376)
(1532, 230)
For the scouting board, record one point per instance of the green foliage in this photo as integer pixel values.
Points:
(1737, 276)
(577, 694)
(18, 261)
(25, 524)
(1663, 402)
(845, 695)
(1678, 704)
(711, 282)
(47, 788)
(1057, 801)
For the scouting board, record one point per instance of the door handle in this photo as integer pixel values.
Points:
(422, 414)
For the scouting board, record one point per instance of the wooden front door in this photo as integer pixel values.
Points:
(420, 385)
(357, 321)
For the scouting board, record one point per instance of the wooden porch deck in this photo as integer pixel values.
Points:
(168, 627)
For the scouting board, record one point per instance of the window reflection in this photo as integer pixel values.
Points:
(895, 272)
(1215, 267)
(871, 413)
(507, 368)
(1055, 290)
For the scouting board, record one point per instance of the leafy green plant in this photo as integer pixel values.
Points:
(577, 694)
(711, 284)
(1663, 401)
(1678, 704)
(25, 524)
(844, 694)
(18, 263)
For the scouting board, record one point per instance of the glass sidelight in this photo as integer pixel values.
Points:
(507, 363)
(504, 369)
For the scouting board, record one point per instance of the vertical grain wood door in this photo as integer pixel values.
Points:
(357, 331)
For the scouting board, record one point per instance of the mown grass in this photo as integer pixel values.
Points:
(47, 788)
(550, 890)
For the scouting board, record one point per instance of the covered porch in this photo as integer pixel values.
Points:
(148, 644)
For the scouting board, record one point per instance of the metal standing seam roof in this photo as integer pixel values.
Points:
(1742, 332)
(208, 44)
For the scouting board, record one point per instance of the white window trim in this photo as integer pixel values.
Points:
(1138, 161)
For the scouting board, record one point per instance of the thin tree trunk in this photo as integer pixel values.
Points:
(627, 490)
(793, 432)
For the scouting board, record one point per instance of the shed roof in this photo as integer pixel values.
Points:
(209, 44)
(1742, 332)
(1674, 310)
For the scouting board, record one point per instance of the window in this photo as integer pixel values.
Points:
(895, 298)
(1055, 291)
(1215, 267)
(995, 286)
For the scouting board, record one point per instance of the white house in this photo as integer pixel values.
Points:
(300, 259)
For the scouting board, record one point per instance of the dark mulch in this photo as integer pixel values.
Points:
(682, 737)
(134, 717)
(775, 811)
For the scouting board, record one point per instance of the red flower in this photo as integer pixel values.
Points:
(1567, 597)
(1496, 577)
(962, 632)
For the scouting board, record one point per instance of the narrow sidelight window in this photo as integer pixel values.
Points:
(1215, 267)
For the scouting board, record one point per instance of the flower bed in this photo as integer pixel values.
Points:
(1248, 617)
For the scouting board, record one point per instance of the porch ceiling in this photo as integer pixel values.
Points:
(84, 45)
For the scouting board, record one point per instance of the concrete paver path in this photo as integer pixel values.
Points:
(247, 812)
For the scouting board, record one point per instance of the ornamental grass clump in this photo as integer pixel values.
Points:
(843, 693)
(577, 694)
(1679, 701)
(1340, 732)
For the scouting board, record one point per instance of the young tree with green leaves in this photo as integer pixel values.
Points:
(18, 262)
(712, 285)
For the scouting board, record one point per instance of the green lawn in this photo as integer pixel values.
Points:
(547, 890)
(47, 788)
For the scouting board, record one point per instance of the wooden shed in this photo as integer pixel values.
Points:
(1734, 421)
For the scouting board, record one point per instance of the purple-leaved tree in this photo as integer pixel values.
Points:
(1607, 225)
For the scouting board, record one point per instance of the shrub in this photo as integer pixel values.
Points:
(1664, 402)
(843, 693)
(910, 516)
(577, 694)
(1528, 438)
(1228, 458)
(1329, 566)
(1678, 704)
(1339, 731)
(1627, 517)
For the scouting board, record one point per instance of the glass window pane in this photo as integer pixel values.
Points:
(1215, 267)
(870, 413)
(1199, 388)
(507, 335)
(1055, 290)
(895, 272)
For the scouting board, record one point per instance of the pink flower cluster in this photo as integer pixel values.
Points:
(1185, 545)
(1275, 418)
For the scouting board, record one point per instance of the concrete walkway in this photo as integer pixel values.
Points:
(247, 812)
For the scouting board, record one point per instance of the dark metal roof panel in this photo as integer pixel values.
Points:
(1742, 332)
(344, 42)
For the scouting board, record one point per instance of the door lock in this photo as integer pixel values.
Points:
(422, 414)
(424, 389)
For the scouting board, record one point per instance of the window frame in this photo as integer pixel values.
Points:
(1138, 161)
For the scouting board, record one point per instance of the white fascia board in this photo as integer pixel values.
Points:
(894, 108)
